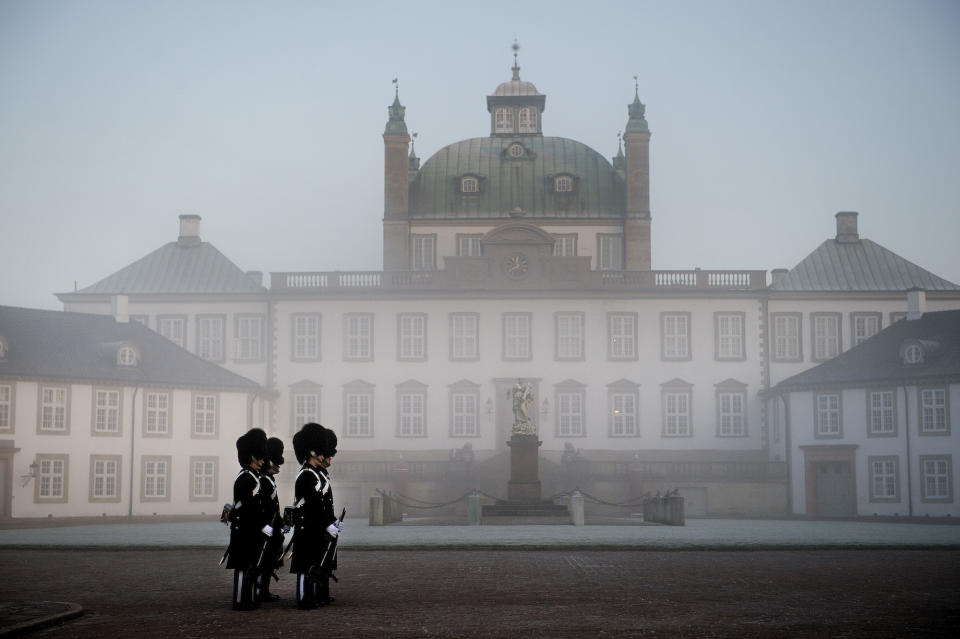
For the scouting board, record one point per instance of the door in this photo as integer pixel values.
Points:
(6, 490)
(834, 486)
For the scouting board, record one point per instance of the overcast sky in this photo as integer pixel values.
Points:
(265, 118)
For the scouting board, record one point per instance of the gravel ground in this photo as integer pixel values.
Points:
(553, 593)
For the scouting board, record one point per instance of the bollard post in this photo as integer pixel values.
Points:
(473, 509)
(576, 508)
(376, 510)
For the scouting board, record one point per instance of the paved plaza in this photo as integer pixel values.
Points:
(710, 578)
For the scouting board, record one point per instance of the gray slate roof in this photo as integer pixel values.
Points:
(177, 268)
(878, 358)
(863, 265)
(82, 347)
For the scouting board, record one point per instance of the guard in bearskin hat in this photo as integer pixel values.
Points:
(249, 530)
(272, 559)
(316, 527)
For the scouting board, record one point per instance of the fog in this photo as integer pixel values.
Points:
(266, 120)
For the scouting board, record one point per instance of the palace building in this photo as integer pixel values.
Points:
(518, 255)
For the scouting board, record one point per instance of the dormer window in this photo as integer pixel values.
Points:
(3, 348)
(503, 120)
(469, 185)
(127, 356)
(528, 120)
(913, 354)
(563, 184)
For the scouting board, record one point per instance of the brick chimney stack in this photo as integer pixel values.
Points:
(189, 230)
(847, 227)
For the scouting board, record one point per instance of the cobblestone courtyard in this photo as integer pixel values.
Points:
(556, 593)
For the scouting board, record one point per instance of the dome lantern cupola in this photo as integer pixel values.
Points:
(515, 106)
(396, 125)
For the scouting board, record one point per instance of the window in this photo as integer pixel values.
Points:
(54, 404)
(51, 481)
(358, 406)
(933, 412)
(675, 336)
(786, 337)
(156, 417)
(412, 337)
(527, 118)
(503, 120)
(204, 415)
(127, 356)
(913, 354)
(826, 335)
(304, 404)
(249, 338)
(864, 326)
(155, 472)
(464, 336)
(881, 413)
(677, 414)
(306, 337)
(516, 150)
(827, 415)
(568, 328)
(729, 336)
(609, 251)
(105, 478)
(3, 347)
(411, 409)
(884, 477)
(463, 409)
(516, 336)
(358, 333)
(731, 409)
(623, 397)
(622, 332)
(469, 185)
(106, 412)
(563, 184)
(6, 407)
(424, 253)
(565, 244)
(937, 482)
(203, 478)
(469, 245)
(174, 328)
(210, 337)
(570, 410)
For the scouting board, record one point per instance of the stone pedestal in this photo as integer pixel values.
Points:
(524, 484)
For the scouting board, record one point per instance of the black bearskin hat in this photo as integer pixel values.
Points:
(310, 440)
(251, 445)
(330, 443)
(274, 452)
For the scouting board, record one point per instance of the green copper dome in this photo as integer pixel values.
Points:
(506, 175)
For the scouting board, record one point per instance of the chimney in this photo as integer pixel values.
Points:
(256, 277)
(777, 274)
(916, 303)
(189, 230)
(119, 308)
(847, 227)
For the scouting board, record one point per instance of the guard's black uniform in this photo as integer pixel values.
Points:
(270, 502)
(247, 520)
(313, 556)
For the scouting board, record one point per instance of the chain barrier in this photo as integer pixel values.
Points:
(413, 502)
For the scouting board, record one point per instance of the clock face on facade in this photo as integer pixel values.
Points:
(516, 266)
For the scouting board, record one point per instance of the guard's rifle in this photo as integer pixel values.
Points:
(330, 553)
(291, 516)
(227, 516)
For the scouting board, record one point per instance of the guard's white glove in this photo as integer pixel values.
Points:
(339, 525)
(267, 530)
(333, 531)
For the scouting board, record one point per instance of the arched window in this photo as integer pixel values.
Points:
(515, 151)
(127, 356)
(504, 120)
(528, 120)
(913, 354)
(563, 184)
(469, 185)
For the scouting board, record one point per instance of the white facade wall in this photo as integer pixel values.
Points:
(81, 446)
(910, 498)
(594, 372)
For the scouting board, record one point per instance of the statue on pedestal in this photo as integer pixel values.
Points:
(522, 396)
